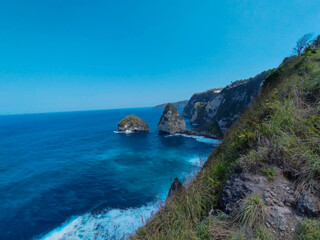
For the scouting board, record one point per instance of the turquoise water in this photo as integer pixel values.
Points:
(72, 176)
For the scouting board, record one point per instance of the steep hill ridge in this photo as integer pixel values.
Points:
(274, 144)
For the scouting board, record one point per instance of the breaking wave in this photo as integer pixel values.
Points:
(111, 224)
(198, 138)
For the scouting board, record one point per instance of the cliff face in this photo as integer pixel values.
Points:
(171, 121)
(189, 109)
(180, 104)
(223, 107)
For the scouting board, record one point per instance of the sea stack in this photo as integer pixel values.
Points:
(133, 123)
(176, 186)
(171, 121)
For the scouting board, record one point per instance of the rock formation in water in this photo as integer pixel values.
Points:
(133, 123)
(175, 187)
(171, 121)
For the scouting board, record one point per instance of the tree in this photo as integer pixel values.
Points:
(302, 43)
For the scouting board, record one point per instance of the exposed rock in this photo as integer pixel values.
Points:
(175, 187)
(308, 205)
(189, 109)
(200, 132)
(133, 123)
(278, 196)
(171, 121)
(234, 190)
(180, 104)
(222, 107)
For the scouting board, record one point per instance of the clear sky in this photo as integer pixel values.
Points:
(59, 55)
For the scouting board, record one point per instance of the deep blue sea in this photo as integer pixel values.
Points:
(72, 176)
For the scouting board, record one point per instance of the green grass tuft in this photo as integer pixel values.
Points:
(308, 229)
(251, 212)
(270, 173)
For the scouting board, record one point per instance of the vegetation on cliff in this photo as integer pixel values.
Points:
(281, 131)
(133, 123)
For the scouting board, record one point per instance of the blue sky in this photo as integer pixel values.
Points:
(80, 55)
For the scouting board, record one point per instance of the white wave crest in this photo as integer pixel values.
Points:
(125, 132)
(113, 224)
(198, 138)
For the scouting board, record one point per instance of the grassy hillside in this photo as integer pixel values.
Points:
(281, 129)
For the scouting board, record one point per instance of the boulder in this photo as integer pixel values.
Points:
(171, 121)
(235, 189)
(308, 205)
(133, 123)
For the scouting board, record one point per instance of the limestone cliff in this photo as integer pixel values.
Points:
(222, 107)
(171, 121)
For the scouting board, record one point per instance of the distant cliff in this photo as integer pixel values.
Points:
(216, 110)
(180, 104)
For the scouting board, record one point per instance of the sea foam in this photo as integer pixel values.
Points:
(112, 224)
(198, 138)
(125, 132)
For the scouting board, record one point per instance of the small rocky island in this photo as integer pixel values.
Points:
(133, 123)
(171, 121)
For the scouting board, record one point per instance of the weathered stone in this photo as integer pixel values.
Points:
(171, 121)
(175, 187)
(222, 107)
(308, 205)
(133, 123)
(234, 190)
(290, 200)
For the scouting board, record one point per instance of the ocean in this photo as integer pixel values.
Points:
(71, 175)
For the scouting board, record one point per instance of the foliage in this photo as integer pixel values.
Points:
(263, 234)
(251, 212)
(308, 229)
(270, 173)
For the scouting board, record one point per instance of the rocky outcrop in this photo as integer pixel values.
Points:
(282, 204)
(133, 123)
(175, 187)
(308, 205)
(189, 109)
(180, 104)
(235, 189)
(171, 121)
(223, 107)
